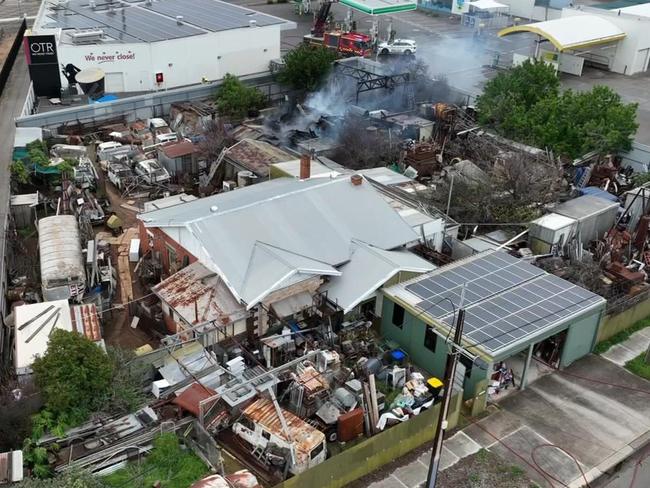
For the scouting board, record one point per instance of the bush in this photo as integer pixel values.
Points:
(19, 172)
(236, 100)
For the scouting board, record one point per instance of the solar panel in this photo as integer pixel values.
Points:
(483, 277)
(509, 301)
(212, 15)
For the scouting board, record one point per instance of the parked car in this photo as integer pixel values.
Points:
(151, 172)
(398, 46)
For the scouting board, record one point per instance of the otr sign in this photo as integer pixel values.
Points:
(41, 49)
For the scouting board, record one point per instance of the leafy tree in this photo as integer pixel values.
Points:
(74, 376)
(37, 152)
(19, 172)
(525, 104)
(306, 66)
(236, 100)
(126, 393)
(69, 479)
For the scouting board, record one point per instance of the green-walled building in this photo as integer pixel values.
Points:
(514, 312)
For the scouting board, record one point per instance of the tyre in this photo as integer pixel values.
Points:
(332, 436)
(407, 52)
(385, 51)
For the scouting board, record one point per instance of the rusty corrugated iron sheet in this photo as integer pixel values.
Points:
(4, 467)
(85, 320)
(304, 436)
(240, 479)
(191, 397)
(256, 156)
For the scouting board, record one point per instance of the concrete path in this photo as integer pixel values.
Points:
(586, 419)
(636, 344)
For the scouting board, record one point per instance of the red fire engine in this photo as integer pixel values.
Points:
(344, 43)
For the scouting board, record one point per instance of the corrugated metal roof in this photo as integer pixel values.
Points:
(259, 236)
(175, 150)
(60, 249)
(304, 436)
(199, 296)
(191, 397)
(24, 199)
(256, 156)
(85, 320)
(369, 268)
(168, 202)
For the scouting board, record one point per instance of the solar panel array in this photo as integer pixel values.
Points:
(211, 15)
(506, 299)
(139, 22)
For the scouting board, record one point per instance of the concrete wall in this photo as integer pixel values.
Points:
(374, 452)
(632, 53)
(613, 324)
(132, 67)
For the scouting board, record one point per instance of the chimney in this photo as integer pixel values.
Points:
(305, 167)
(356, 180)
(179, 19)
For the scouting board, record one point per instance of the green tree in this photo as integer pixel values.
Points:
(506, 97)
(37, 152)
(306, 66)
(525, 104)
(69, 479)
(74, 376)
(236, 100)
(19, 172)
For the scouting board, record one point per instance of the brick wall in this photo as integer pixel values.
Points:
(164, 244)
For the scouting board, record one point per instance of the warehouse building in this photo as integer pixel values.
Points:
(148, 45)
(514, 312)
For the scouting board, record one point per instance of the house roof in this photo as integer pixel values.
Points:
(256, 156)
(260, 237)
(572, 32)
(508, 302)
(199, 296)
(368, 269)
(175, 150)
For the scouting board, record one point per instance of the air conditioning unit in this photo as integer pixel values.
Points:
(89, 35)
(228, 185)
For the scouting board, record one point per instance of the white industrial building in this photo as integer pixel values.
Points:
(154, 44)
(616, 40)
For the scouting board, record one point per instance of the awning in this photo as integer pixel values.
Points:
(572, 32)
(487, 5)
(380, 7)
(292, 305)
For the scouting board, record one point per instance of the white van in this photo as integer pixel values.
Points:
(151, 172)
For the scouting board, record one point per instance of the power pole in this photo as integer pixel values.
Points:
(448, 382)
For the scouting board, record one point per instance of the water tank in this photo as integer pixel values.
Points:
(91, 82)
(245, 178)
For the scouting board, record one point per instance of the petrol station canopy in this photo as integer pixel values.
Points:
(380, 7)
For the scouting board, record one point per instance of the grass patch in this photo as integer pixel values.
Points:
(168, 463)
(622, 336)
(638, 366)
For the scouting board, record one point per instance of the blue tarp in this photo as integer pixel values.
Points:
(597, 192)
(105, 98)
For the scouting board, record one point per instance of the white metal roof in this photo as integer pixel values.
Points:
(642, 10)
(369, 268)
(260, 236)
(572, 32)
(168, 202)
(26, 352)
(24, 199)
(379, 7)
(60, 249)
(554, 221)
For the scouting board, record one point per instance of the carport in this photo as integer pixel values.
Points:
(512, 309)
(575, 39)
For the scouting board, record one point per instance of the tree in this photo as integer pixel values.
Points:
(236, 100)
(19, 172)
(360, 149)
(68, 479)
(305, 67)
(215, 139)
(74, 376)
(525, 104)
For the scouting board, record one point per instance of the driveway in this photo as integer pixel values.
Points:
(583, 420)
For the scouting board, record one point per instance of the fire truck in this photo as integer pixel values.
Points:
(344, 43)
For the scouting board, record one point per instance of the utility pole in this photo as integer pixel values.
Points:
(448, 383)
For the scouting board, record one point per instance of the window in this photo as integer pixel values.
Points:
(247, 423)
(398, 316)
(171, 256)
(468, 363)
(186, 261)
(266, 435)
(430, 339)
(316, 450)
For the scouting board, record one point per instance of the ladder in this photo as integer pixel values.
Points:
(215, 165)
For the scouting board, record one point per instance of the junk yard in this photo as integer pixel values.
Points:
(312, 257)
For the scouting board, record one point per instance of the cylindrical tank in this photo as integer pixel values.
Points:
(91, 82)
(245, 178)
